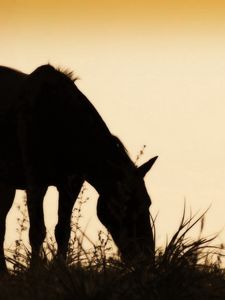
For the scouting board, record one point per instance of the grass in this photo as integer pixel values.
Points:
(184, 269)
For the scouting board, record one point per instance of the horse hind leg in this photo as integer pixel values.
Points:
(7, 194)
(37, 232)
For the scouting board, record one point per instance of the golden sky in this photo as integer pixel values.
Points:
(155, 70)
(98, 13)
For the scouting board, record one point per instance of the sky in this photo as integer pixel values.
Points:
(155, 71)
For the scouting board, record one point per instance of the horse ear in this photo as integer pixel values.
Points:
(143, 169)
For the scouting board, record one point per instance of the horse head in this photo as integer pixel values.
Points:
(124, 210)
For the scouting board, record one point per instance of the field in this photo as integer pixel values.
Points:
(184, 269)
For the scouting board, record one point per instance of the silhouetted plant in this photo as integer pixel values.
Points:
(18, 254)
(186, 268)
(183, 270)
(140, 154)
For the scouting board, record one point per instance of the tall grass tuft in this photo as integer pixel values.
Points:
(185, 268)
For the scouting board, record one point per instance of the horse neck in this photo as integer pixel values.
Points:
(106, 175)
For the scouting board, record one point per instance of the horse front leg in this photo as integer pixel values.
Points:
(68, 194)
(37, 232)
(7, 194)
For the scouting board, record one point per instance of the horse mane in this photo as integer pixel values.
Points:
(63, 72)
(123, 153)
(68, 73)
(119, 144)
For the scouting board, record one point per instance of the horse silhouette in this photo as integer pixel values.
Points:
(52, 135)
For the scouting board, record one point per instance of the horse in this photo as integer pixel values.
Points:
(51, 134)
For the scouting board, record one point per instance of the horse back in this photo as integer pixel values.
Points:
(10, 85)
(11, 82)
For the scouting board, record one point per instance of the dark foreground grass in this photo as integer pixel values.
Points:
(185, 269)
